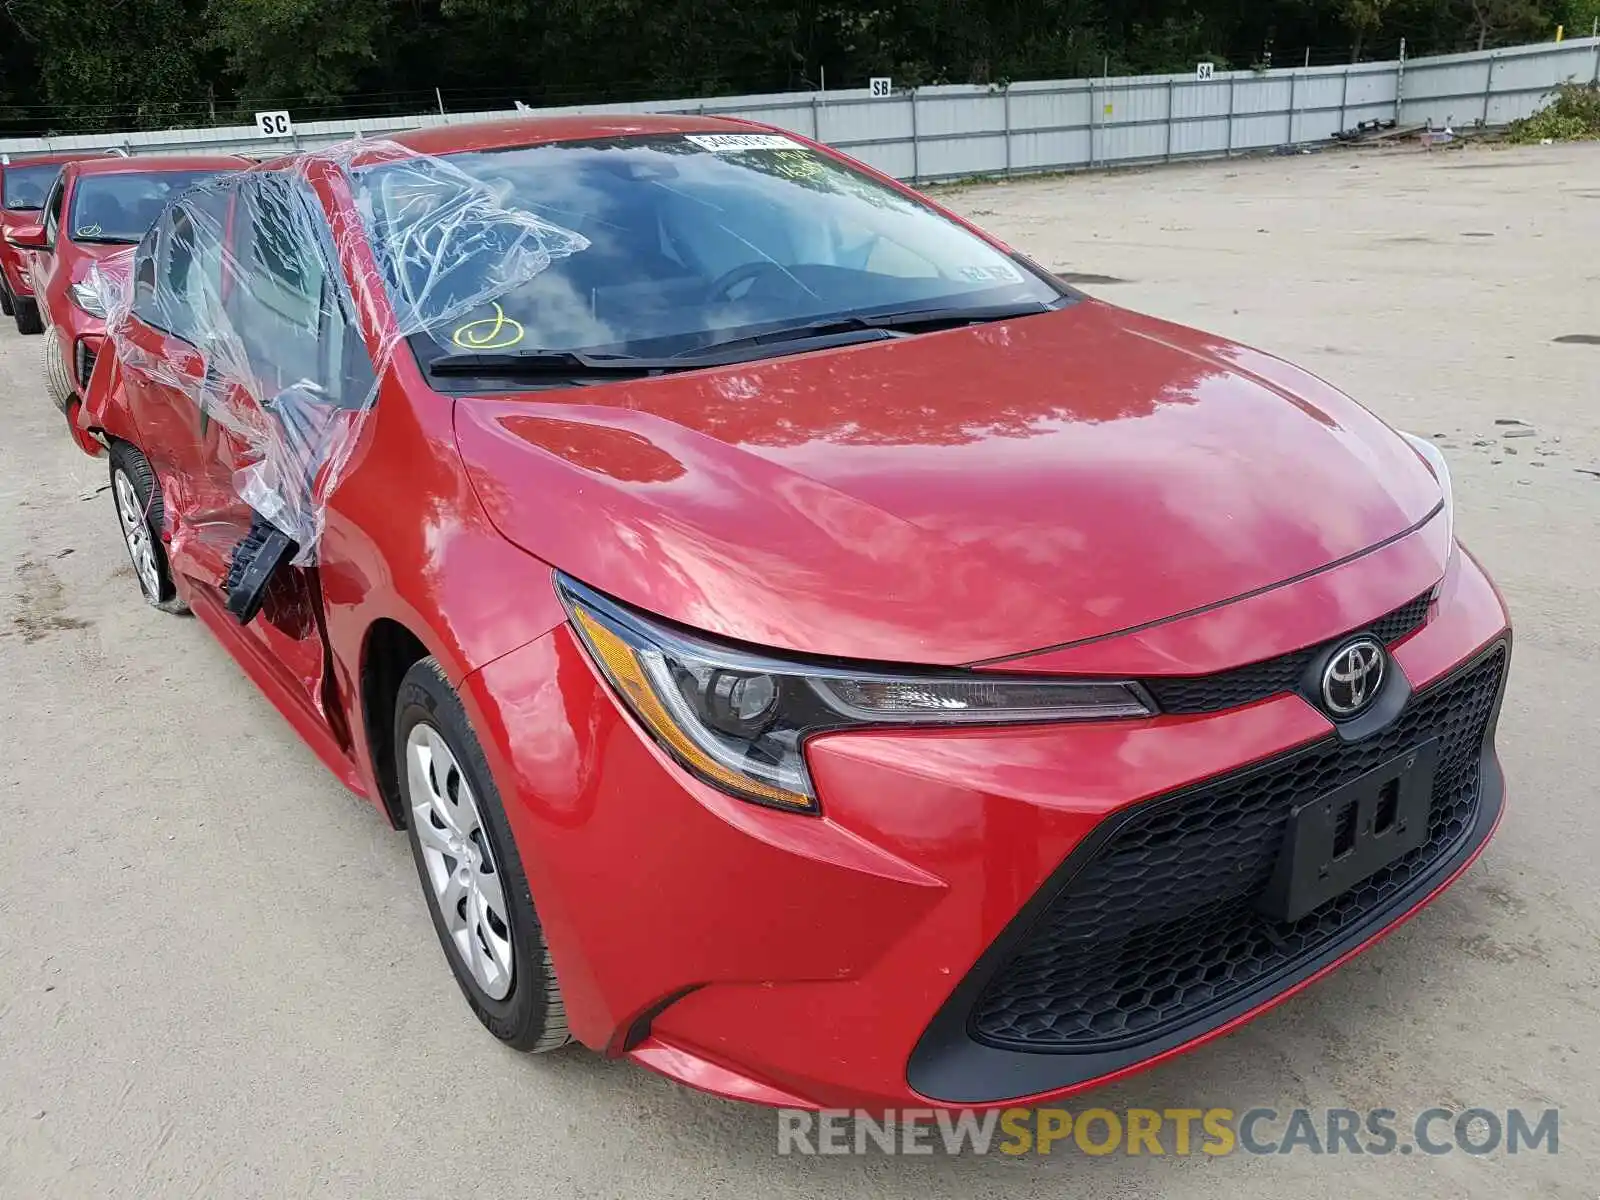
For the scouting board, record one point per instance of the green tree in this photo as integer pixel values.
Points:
(1581, 17)
(1363, 18)
(1509, 19)
(308, 51)
(127, 65)
(118, 64)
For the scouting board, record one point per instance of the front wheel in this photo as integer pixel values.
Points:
(139, 513)
(58, 384)
(471, 873)
(5, 300)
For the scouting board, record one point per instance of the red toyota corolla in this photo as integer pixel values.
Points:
(24, 184)
(814, 653)
(94, 209)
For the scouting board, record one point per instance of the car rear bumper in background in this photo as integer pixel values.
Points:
(935, 934)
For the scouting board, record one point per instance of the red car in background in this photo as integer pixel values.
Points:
(94, 209)
(812, 651)
(24, 187)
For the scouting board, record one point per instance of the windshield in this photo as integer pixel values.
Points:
(120, 207)
(26, 187)
(686, 241)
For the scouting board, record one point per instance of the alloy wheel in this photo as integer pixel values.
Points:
(136, 532)
(460, 864)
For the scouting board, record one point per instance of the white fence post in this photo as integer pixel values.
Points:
(1294, 81)
(1400, 83)
(1232, 82)
(1172, 86)
(1008, 126)
(916, 149)
(1093, 104)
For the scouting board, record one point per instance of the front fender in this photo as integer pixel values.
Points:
(104, 409)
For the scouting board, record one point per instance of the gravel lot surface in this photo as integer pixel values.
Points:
(217, 976)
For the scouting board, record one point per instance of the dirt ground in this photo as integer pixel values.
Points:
(218, 979)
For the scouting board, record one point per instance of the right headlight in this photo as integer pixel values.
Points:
(739, 719)
(1433, 459)
(87, 297)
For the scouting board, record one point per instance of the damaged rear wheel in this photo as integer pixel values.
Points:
(139, 513)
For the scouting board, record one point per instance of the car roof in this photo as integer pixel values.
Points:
(149, 164)
(528, 131)
(48, 160)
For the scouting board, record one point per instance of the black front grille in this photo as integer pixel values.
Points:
(1405, 620)
(1158, 927)
(1188, 694)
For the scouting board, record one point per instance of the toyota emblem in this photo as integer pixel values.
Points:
(1352, 678)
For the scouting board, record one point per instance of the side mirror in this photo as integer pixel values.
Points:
(28, 237)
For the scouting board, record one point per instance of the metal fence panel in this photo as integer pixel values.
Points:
(954, 131)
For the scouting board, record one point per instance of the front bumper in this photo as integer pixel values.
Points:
(843, 961)
(80, 341)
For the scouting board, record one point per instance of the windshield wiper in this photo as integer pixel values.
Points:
(821, 334)
(903, 321)
(550, 362)
(579, 363)
(104, 239)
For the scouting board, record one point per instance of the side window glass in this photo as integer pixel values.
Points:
(177, 269)
(52, 212)
(190, 264)
(289, 304)
(145, 306)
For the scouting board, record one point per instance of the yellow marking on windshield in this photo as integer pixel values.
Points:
(798, 164)
(498, 332)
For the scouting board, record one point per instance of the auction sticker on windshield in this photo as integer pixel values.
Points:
(730, 143)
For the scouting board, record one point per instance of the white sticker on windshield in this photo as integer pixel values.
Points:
(997, 273)
(731, 143)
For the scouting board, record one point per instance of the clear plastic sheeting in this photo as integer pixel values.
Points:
(238, 299)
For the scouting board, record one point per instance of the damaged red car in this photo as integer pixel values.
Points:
(92, 211)
(24, 186)
(813, 652)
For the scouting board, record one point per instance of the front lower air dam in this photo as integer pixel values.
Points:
(1139, 944)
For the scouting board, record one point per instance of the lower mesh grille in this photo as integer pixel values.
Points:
(1158, 926)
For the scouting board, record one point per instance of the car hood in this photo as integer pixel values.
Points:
(951, 497)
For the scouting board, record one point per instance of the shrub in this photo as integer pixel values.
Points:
(1573, 114)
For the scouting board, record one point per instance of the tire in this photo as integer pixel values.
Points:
(58, 385)
(451, 804)
(5, 300)
(25, 312)
(137, 501)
